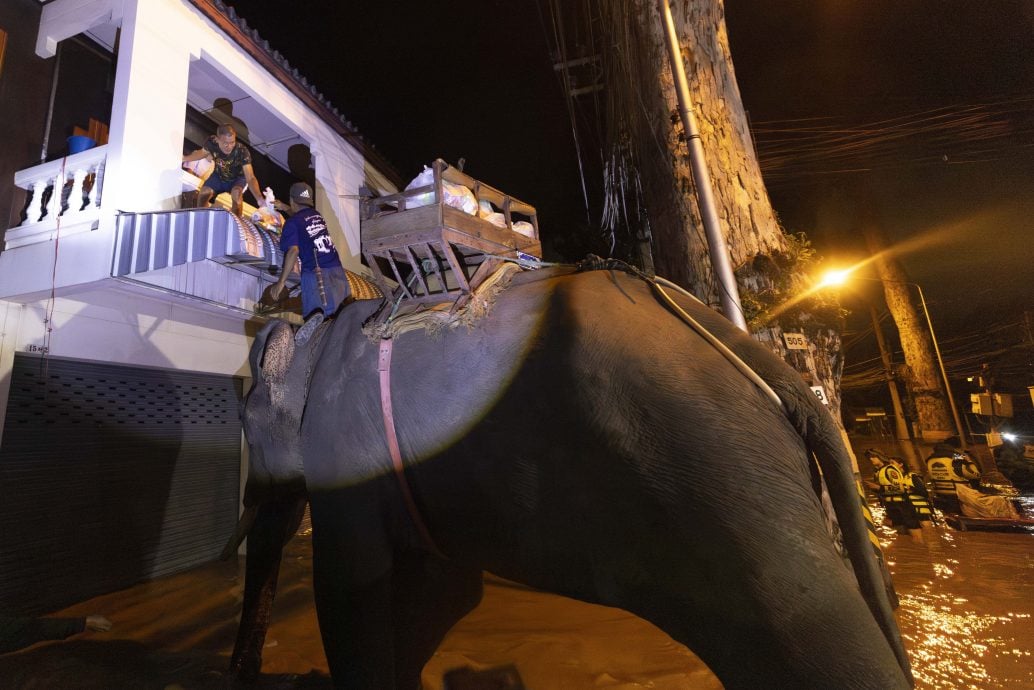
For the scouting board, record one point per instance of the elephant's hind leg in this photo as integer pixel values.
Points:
(352, 563)
(786, 627)
(382, 610)
(429, 596)
(275, 524)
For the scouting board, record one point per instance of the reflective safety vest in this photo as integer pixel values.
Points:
(890, 476)
(945, 473)
(918, 498)
(903, 488)
(893, 478)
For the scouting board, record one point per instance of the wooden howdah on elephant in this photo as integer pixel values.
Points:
(559, 441)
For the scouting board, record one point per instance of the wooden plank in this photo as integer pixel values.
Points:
(398, 276)
(479, 228)
(98, 132)
(403, 240)
(414, 263)
(411, 220)
(476, 234)
(378, 277)
(437, 265)
(456, 265)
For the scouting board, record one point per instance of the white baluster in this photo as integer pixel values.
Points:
(35, 210)
(98, 177)
(54, 205)
(75, 199)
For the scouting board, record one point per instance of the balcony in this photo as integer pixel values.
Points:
(64, 195)
(207, 255)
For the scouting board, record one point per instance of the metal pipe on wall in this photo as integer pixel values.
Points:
(50, 105)
(729, 294)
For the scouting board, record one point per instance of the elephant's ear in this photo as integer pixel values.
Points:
(272, 350)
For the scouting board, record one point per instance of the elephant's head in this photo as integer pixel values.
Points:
(272, 414)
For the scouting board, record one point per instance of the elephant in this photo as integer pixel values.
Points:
(578, 438)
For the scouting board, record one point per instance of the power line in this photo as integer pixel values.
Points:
(958, 134)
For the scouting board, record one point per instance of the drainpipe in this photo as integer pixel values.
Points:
(728, 293)
(50, 106)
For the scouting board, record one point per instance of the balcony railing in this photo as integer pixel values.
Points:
(62, 193)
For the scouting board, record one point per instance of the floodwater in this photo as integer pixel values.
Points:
(967, 599)
(966, 605)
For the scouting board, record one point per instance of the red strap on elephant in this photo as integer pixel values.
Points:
(384, 368)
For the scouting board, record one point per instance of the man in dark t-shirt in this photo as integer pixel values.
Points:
(324, 281)
(232, 171)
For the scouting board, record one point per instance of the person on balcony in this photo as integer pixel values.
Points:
(324, 281)
(232, 171)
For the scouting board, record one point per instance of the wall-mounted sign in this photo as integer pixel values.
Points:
(795, 341)
(820, 393)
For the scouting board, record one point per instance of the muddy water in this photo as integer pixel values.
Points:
(966, 605)
(967, 599)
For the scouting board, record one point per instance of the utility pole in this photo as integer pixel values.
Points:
(995, 415)
(900, 427)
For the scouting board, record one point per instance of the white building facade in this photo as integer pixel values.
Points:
(105, 275)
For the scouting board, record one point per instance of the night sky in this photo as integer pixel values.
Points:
(935, 100)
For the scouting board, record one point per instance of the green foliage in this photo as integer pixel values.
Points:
(779, 291)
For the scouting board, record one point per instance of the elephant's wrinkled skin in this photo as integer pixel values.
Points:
(580, 439)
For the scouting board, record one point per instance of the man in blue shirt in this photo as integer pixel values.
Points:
(324, 281)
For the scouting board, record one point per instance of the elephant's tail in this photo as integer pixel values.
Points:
(823, 439)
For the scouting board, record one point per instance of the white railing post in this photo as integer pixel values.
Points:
(55, 174)
(98, 179)
(35, 210)
(54, 204)
(84, 170)
(75, 198)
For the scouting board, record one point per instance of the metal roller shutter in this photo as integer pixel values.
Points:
(110, 475)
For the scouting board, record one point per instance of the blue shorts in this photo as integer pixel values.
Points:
(219, 186)
(335, 289)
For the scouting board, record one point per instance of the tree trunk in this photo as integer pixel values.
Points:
(923, 373)
(743, 206)
(643, 110)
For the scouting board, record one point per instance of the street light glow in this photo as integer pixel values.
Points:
(840, 276)
(834, 277)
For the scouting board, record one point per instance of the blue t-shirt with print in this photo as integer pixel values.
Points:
(307, 230)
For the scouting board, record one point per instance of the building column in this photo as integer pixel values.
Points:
(148, 109)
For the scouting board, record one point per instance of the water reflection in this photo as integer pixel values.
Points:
(966, 605)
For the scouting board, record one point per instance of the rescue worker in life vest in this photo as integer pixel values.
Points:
(946, 468)
(902, 494)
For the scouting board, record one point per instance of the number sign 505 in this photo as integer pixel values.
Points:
(795, 341)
